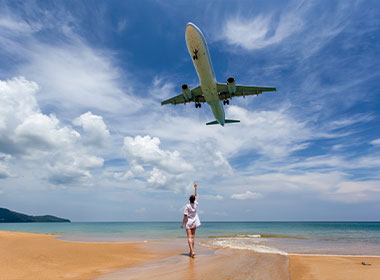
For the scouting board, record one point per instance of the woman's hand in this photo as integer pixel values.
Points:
(195, 185)
(182, 226)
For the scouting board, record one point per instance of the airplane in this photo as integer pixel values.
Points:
(209, 90)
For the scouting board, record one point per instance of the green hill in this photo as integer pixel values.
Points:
(8, 216)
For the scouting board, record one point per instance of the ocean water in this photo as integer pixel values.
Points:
(346, 238)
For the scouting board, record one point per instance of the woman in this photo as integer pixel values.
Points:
(191, 219)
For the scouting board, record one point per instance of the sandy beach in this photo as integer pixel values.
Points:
(40, 256)
(302, 267)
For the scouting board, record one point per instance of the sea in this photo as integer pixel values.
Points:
(319, 238)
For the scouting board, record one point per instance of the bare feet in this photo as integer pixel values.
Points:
(192, 255)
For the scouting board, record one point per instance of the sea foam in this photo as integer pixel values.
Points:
(248, 242)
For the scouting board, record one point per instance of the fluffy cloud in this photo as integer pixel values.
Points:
(26, 133)
(146, 150)
(246, 195)
(39, 132)
(160, 169)
(157, 177)
(23, 128)
(95, 130)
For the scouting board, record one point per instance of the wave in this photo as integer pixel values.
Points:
(242, 243)
(258, 236)
(236, 235)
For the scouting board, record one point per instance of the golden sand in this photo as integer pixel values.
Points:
(303, 267)
(39, 256)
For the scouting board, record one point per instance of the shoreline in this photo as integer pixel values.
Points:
(44, 256)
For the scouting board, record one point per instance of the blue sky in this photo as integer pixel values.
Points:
(83, 135)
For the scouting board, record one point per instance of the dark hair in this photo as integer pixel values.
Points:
(192, 198)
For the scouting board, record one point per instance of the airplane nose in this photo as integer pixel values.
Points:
(192, 26)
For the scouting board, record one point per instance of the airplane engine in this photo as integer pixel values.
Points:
(231, 85)
(186, 92)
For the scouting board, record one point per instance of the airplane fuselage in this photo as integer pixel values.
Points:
(196, 44)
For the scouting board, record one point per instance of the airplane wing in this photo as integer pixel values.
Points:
(196, 96)
(241, 91)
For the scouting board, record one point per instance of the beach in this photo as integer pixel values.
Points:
(302, 267)
(42, 256)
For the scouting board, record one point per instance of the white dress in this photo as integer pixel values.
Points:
(192, 216)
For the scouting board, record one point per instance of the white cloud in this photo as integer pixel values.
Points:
(375, 142)
(345, 122)
(146, 150)
(212, 197)
(262, 30)
(73, 75)
(355, 191)
(42, 133)
(95, 130)
(41, 140)
(17, 101)
(159, 169)
(77, 76)
(157, 177)
(4, 172)
(246, 195)
(66, 174)
(161, 89)
(329, 184)
(296, 28)
(270, 133)
(11, 26)
(24, 129)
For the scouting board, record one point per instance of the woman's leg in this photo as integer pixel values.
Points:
(190, 239)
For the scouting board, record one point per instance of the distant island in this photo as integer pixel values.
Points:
(8, 216)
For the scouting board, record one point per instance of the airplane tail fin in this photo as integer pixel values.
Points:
(231, 121)
(225, 121)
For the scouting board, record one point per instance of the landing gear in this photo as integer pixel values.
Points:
(198, 105)
(226, 102)
(195, 56)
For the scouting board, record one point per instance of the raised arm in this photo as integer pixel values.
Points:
(195, 189)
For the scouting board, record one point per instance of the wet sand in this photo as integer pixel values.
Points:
(208, 264)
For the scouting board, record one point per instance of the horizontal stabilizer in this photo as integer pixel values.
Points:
(225, 121)
(211, 123)
(231, 121)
